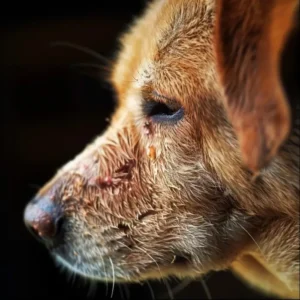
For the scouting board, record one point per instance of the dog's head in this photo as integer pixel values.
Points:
(166, 190)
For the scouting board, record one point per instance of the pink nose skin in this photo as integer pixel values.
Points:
(43, 219)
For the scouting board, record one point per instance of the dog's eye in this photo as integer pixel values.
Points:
(163, 112)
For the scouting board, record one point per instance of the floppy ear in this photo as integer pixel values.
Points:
(250, 38)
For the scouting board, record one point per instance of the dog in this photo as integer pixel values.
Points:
(198, 169)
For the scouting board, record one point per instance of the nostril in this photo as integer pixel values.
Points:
(33, 230)
(59, 225)
(43, 219)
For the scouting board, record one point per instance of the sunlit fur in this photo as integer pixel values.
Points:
(194, 207)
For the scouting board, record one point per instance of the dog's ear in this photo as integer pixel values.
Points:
(250, 37)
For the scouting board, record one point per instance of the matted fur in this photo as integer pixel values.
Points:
(190, 206)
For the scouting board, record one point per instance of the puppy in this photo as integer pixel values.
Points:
(199, 168)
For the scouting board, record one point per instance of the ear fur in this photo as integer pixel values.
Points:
(250, 37)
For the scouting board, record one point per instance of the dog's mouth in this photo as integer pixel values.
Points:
(117, 252)
(117, 263)
(108, 270)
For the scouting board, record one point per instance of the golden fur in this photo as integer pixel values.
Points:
(147, 200)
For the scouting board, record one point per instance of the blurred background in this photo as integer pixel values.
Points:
(54, 101)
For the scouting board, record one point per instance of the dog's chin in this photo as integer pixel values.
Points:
(101, 272)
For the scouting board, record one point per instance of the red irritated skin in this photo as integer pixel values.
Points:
(164, 191)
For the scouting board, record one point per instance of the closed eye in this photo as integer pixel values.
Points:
(161, 112)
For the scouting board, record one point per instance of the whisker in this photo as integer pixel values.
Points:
(121, 291)
(169, 290)
(126, 289)
(181, 286)
(124, 245)
(151, 290)
(106, 283)
(113, 274)
(72, 278)
(205, 288)
(91, 289)
(251, 238)
(151, 258)
(83, 49)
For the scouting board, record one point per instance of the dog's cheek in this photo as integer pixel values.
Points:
(125, 204)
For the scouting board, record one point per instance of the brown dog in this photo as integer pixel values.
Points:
(169, 187)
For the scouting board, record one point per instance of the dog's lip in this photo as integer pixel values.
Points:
(74, 268)
(144, 275)
(62, 262)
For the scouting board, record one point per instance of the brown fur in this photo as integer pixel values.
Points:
(147, 200)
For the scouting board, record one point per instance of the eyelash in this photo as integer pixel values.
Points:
(163, 113)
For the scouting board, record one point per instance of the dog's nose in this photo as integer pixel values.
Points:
(43, 218)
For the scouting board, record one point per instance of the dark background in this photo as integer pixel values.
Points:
(50, 109)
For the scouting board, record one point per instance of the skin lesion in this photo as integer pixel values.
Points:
(120, 176)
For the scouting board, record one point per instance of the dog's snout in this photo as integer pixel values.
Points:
(43, 218)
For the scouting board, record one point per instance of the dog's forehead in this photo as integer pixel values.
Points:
(170, 49)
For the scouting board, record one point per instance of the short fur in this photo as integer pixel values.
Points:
(148, 200)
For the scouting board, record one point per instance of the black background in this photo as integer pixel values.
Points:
(51, 109)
